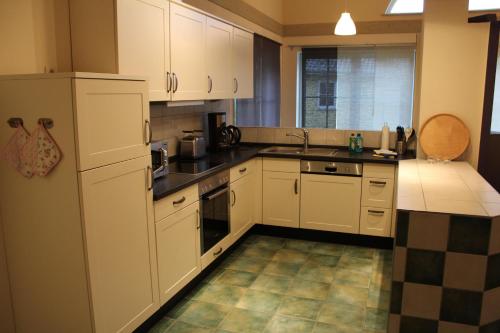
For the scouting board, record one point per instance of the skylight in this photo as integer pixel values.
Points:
(408, 6)
(484, 4)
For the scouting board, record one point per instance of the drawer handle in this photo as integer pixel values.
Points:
(178, 202)
(149, 138)
(296, 186)
(219, 251)
(150, 177)
(376, 212)
(234, 198)
(198, 223)
(243, 170)
(378, 183)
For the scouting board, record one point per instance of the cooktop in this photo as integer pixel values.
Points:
(194, 166)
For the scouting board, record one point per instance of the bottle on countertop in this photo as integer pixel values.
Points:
(352, 143)
(359, 143)
(384, 144)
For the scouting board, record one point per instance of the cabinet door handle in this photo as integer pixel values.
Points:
(219, 251)
(296, 186)
(378, 183)
(150, 132)
(243, 170)
(149, 178)
(198, 223)
(234, 198)
(235, 85)
(178, 202)
(175, 83)
(209, 84)
(169, 82)
(376, 212)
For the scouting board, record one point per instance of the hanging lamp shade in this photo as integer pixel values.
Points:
(345, 26)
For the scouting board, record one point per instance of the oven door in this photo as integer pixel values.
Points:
(214, 217)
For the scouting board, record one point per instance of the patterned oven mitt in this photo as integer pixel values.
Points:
(44, 151)
(14, 152)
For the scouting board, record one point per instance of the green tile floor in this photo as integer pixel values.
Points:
(271, 284)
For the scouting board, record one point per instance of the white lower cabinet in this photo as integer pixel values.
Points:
(178, 250)
(280, 198)
(330, 203)
(375, 221)
(242, 206)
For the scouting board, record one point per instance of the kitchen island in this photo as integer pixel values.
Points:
(446, 273)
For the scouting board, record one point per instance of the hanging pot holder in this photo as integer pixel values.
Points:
(44, 150)
(14, 152)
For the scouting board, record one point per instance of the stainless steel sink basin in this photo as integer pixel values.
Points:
(283, 150)
(300, 151)
(320, 152)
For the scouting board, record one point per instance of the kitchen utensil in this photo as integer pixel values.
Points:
(444, 137)
(14, 154)
(409, 133)
(46, 154)
(193, 145)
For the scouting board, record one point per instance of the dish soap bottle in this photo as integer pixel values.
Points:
(359, 143)
(384, 144)
(352, 143)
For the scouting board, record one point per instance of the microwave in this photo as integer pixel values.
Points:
(159, 158)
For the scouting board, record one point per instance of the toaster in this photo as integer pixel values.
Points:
(192, 145)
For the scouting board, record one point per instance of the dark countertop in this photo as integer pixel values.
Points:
(174, 182)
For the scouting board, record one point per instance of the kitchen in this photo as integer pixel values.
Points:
(205, 173)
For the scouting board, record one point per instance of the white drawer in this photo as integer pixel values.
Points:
(375, 221)
(377, 170)
(216, 251)
(241, 170)
(377, 192)
(281, 165)
(174, 202)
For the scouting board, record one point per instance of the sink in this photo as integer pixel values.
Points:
(320, 151)
(300, 151)
(283, 150)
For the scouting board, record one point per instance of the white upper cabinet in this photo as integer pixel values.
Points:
(112, 121)
(242, 62)
(219, 41)
(144, 43)
(188, 54)
(184, 53)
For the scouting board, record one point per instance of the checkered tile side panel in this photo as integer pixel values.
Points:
(446, 274)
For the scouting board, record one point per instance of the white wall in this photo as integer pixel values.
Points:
(454, 55)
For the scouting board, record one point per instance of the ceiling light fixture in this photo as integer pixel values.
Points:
(345, 26)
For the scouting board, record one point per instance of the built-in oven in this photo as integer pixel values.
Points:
(214, 201)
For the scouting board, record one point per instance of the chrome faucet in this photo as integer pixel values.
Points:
(305, 137)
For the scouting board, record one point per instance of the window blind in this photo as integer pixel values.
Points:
(365, 87)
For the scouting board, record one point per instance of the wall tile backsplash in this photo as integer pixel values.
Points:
(168, 122)
(317, 136)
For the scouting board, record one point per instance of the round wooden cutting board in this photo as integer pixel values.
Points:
(444, 137)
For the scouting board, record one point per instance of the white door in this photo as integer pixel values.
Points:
(330, 203)
(220, 76)
(144, 43)
(242, 206)
(112, 121)
(178, 249)
(188, 54)
(281, 198)
(242, 61)
(119, 233)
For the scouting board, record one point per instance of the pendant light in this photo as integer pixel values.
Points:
(345, 26)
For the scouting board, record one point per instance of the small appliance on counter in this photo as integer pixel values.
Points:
(192, 145)
(221, 136)
(159, 158)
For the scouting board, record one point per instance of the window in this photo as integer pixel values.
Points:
(495, 115)
(475, 5)
(326, 91)
(357, 87)
(264, 109)
(406, 7)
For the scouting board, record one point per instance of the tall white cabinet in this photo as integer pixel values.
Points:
(80, 242)
(185, 54)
